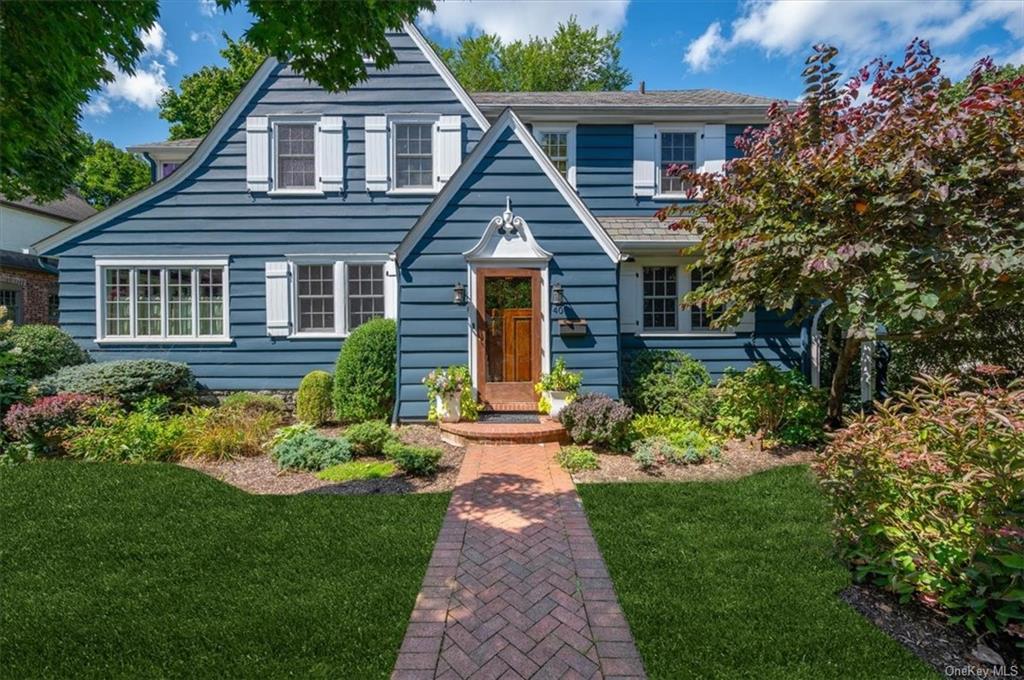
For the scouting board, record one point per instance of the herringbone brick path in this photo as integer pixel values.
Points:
(516, 587)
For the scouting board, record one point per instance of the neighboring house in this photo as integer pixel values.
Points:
(500, 231)
(165, 157)
(28, 282)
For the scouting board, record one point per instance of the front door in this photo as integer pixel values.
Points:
(508, 356)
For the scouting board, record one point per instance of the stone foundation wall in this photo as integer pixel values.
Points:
(214, 396)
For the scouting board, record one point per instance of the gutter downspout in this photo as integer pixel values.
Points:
(398, 342)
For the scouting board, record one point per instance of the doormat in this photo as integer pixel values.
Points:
(509, 418)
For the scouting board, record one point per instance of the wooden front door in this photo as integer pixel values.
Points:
(508, 349)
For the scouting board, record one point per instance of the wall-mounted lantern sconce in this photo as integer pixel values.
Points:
(459, 293)
(557, 295)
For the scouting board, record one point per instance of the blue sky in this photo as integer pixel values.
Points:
(753, 46)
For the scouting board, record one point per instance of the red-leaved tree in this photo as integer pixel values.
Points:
(900, 204)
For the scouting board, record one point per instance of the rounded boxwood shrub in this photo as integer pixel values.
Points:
(129, 381)
(369, 438)
(364, 378)
(669, 383)
(311, 451)
(313, 402)
(599, 420)
(43, 349)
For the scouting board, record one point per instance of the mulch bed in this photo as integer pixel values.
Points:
(259, 474)
(952, 651)
(739, 458)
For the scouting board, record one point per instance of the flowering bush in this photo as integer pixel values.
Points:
(445, 382)
(40, 424)
(928, 499)
(560, 379)
(598, 419)
(778, 406)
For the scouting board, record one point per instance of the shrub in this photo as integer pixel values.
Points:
(681, 449)
(560, 379)
(778, 406)
(283, 434)
(645, 459)
(254, 402)
(599, 420)
(577, 459)
(653, 425)
(364, 378)
(116, 436)
(129, 381)
(369, 438)
(313, 402)
(311, 451)
(669, 383)
(40, 425)
(928, 498)
(357, 470)
(228, 431)
(44, 349)
(419, 461)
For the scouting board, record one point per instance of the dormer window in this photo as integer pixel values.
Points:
(296, 156)
(414, 155)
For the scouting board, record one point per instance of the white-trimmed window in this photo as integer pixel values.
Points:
(413, 154)
(700, 316)
(661, 298)
(295, 143)
(675, 147)
(559, 144)
(330, 298)
(162, 300)
(651, 300)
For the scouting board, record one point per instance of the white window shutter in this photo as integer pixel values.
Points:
(630, 304)
(713, 150)
(257, 153)
(449, 148)
(644, 175)
(376, 145)
(746, 324)
(331, 153)
(278, 299)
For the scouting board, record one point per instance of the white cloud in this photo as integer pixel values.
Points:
(154, 38)
(142, 88)
(203, 36)
(97, 107)
(522, 19)
(701, 51)
(207, 7)
(860, 28)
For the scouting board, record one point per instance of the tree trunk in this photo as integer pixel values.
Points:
(847, 355)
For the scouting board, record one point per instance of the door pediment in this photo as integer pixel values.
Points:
(507, 238)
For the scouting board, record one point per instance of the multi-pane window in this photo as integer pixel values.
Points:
(556, 147)
(9, 298)
(166, 169)
(315, 298)
(677, 148)
(53, 308)
(148, 305)
(701, 317)
(414, 155)
(154, 302)
(365, 293)
(660, 294)
(117, 296)
(296, 156)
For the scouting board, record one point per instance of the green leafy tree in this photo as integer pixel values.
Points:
(204, 95)
(574, 58)
(54, 54)
(905, 208)
(107, 174)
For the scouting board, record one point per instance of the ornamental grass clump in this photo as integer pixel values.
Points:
(598, 420)
(928, 499)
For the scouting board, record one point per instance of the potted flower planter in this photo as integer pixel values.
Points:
(558, 399)
(448, 407)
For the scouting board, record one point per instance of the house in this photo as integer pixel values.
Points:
(501, 231)
(165, 157)
(28, 283)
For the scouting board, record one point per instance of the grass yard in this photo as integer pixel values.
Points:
(737, 580)
(154, 570)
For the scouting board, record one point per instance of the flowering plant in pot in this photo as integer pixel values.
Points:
(445, 390)
(557, 388)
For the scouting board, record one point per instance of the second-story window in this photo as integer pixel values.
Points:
(296, 156)
(677, 148)
(414, 155)
(556, 146)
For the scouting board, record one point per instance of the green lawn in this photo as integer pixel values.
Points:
(737, 580)
(154, 570)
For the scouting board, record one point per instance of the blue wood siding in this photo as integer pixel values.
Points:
(211, 213)
(433, 330)
(773, 340)
(604, 169)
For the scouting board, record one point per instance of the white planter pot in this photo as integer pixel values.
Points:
(448, 407)
(558, 400)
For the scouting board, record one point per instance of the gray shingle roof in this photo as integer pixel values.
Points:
(631, 229)
(173, 143)
(701, 97)
(72, 207)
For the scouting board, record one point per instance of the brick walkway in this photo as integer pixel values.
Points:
(516, 587)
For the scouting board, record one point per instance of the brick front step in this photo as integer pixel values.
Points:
(461, 434)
